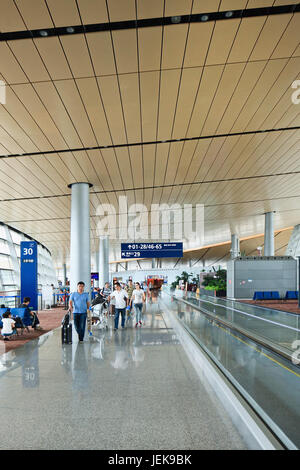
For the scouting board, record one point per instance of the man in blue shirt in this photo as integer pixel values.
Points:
(79, 305)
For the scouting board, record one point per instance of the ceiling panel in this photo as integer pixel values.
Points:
(125, 48)
(75, 108)
(121, 11)
(167, 102)
(10, 67)
(34, 14)
(174, 44)
(29, 59)
(54, 58)
(249, 31)
(91, 96)
(207, 89)
(153, 9)
(10, 18)
(77, 55)
(93, 11)
(131, 104)
(222, 41)
(63, 12)
(161, 159)
(149, 86)
(198, 44)
(125, 166)
(101, 51)
(149, 48)
(35, 110)
(52, 100)
(113, 108)
(111, 161)
(272, 32)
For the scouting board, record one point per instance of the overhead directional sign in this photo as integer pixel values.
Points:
(152, 250)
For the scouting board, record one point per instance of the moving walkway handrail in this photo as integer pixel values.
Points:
(268, 344)
(249, 314)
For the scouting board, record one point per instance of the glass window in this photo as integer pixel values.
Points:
(5, 262)
(17, 248)
(7, 277)
(16, 237)
(12, 288)
(2, 232)
(4, 249)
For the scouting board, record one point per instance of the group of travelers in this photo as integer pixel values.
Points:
(10, 324)
(121, 298)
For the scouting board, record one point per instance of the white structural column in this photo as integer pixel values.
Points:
(269, 234)
(80, 253)
(103, 260)
(235, 246)
(65, 274)
(96, 267)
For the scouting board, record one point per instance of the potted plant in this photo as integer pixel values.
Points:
(216, 282)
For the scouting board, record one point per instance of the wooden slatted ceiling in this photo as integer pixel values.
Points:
(124, 87)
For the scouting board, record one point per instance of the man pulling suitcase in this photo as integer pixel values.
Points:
(79, 304)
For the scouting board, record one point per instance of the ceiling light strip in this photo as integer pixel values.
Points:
(155, 142)
(149, 22)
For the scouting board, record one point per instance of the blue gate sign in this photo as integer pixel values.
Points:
(152, 250)
(29, 272)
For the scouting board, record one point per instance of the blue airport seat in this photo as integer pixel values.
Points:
(275, 295)
(291, 295)
(258, 295)
(267, 295)
(23, 314)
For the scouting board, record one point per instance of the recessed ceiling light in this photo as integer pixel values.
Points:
(204, 17)
(43, 33)
(176, 19)
(70, 29)
(229, 14)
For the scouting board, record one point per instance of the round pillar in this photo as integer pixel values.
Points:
(269, 234)
(103, 260)
(80, 255)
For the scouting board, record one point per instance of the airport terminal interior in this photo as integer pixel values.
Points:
(149, 225)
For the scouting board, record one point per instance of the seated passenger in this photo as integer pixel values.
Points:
(8, 328)
(35, 321)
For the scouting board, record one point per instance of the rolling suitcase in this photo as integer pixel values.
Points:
(66, 329)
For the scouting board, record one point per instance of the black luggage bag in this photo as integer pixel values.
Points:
(66, 329)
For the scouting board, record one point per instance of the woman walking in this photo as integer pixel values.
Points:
(138, 298)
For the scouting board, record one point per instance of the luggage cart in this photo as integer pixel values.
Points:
(99, 316)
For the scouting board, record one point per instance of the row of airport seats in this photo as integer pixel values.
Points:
(22, 313)
(274, 295)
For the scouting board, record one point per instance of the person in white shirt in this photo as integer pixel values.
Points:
(8, 325)
(120, 295)
(138, 298)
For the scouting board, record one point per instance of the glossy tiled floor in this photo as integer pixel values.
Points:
(134, 389)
